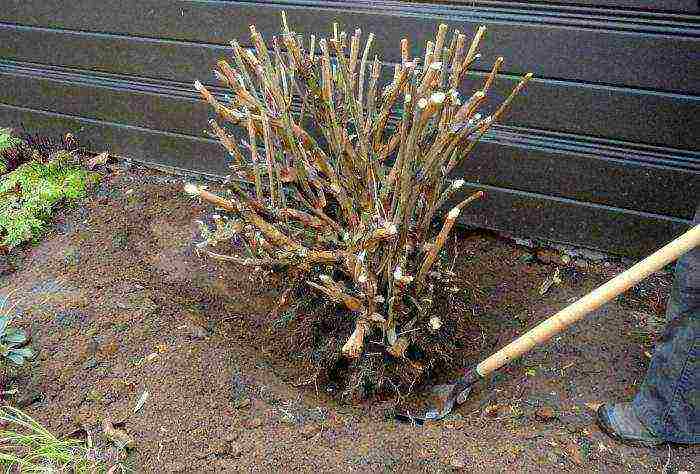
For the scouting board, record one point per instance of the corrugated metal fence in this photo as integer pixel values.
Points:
(602, 150)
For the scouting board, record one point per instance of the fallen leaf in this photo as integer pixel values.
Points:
(593, 406)
(108, 349)
(556, 278)
(100, 159)
(546, 285)
(574, 452)
(545, 414)
(142, 400)
(550, 281)
(119, 437)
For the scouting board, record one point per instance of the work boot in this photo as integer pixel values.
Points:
(621, 423)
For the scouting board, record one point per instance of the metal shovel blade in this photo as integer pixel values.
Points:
(439, 402)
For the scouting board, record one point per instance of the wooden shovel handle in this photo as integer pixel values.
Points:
(592, 301)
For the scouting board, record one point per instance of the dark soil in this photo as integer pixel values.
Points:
(118, 302)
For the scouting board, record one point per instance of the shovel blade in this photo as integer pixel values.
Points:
(439, 402)
(444, 400)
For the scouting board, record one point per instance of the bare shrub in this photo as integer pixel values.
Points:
(335, 194)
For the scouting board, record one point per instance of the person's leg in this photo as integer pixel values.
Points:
(667, 407)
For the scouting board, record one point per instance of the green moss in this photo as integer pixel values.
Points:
(29, 193)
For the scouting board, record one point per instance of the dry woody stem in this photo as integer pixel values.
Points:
(344, 180)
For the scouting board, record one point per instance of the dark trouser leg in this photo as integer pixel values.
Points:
(668, 402)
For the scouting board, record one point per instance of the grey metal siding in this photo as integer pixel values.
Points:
(602, 150)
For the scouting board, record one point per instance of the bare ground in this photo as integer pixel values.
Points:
(118, 302)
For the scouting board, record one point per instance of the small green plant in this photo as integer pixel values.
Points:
(26, 446)
(7, 141)
(12, 339)
(29, 193)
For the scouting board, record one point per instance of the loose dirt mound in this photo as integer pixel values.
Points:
(118, 302)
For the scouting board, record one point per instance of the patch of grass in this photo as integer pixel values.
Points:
(29, 193)
(26, 446)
